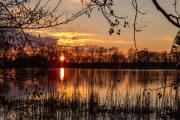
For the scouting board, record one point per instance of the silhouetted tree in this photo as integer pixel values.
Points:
(172, 18)
(106, 7)
(77, 51)
(164, 57)
(132, 56)
(143, 56)
(118, 58)
(17, 16)
(101, 51)
(92, 51)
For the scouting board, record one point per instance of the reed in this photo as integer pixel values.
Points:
(59, 106)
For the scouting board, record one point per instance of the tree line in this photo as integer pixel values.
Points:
(90, 55)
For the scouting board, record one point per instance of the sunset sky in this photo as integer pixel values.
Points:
(157, 35)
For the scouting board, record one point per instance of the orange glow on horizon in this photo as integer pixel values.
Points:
(90, 38)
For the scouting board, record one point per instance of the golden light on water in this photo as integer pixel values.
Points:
(61, 73)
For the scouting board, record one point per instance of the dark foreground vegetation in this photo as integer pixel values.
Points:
(59, 107)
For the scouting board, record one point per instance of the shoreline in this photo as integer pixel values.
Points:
(94, 65)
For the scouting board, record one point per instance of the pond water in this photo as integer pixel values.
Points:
(65, 93)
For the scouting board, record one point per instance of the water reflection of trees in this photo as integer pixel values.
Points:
(38, 89)
(88, 77)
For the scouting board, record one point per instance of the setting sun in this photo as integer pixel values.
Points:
(62, 58)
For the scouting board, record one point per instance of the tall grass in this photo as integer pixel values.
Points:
(60, 106)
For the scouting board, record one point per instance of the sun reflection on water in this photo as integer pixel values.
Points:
(62, 74)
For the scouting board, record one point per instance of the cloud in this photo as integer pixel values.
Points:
(64, 37)
(70, 35)
(167, 37)
(80, 38)
(75, 0)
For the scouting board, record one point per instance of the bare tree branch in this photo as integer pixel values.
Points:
(171, 18)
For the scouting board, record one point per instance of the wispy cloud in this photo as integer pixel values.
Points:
(78, 38)
(167, 37)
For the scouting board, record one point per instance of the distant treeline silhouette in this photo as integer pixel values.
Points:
(92, 57)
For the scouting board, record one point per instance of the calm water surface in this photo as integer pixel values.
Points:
(127, 90)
